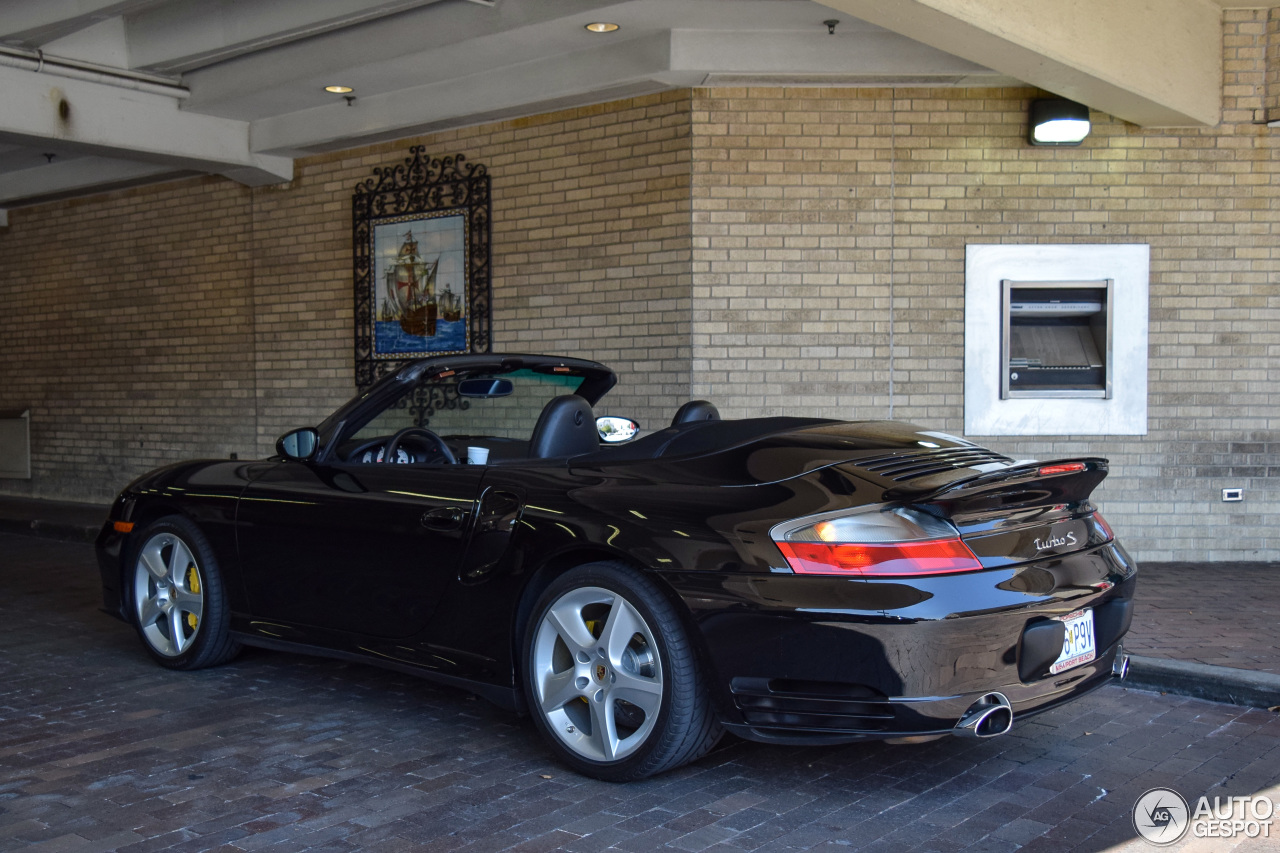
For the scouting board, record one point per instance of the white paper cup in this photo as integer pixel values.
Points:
(478, 455)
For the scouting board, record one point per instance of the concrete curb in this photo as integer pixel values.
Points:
(63, 531)
(1217, 683)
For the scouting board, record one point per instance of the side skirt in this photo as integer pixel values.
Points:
(507, 698)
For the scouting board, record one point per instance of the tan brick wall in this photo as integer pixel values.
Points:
(201, 318)
(125, 326)
(793, 243)
(773, 250)
(1271, 59)
(829, 237)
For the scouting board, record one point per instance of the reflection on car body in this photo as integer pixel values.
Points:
(792, 580)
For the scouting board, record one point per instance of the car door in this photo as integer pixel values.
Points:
(364, 549)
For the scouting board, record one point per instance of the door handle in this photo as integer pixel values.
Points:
(443, 518)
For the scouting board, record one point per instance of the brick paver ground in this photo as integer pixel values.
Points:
(102, 750)
(1222, 614)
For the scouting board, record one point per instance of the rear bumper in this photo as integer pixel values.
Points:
(791, 717)
(853, 659)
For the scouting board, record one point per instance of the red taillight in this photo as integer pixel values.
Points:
(874, 542)
(1103, 526)
(936, 557)
(1064, 468)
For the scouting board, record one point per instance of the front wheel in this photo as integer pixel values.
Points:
(611, 678)
(178, 604)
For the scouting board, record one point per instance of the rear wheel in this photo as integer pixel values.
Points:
(611, 678)
(178, 603)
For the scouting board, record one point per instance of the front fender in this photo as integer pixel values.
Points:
(203, 491)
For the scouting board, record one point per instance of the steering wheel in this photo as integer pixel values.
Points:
(418, 432)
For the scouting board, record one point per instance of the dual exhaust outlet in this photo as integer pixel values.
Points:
(992, 715)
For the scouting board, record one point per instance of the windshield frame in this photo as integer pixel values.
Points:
(597, 380)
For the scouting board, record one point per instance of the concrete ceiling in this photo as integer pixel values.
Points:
(96, 94)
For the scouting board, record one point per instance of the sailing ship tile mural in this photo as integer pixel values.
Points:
(421, 260)
(420, 279)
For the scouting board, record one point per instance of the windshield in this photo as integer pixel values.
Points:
(437, 405)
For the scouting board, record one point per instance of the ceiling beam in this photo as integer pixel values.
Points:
(102, 119)
(28, 24)
(67, 176)
(443, 41)
(649, 63)
(186, 34)
(635, 65)
(812, 54)
(1154, 64)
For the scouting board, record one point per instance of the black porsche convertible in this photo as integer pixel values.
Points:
(788, 579)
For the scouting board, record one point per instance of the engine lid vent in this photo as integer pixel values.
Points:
(911, 464)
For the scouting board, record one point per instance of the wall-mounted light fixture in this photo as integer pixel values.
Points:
(1057, 121)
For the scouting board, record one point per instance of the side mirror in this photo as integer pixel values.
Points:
(299, 445)
(615, 430)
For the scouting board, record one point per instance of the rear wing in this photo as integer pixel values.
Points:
(1054, 483)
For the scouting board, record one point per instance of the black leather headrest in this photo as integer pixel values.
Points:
(566, 427)
(695, 410)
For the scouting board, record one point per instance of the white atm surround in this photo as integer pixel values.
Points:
(986, 265)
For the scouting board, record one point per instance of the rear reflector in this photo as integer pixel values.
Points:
(875, 542)
(1064, 468)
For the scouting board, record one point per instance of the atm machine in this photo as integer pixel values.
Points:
(1056, 339)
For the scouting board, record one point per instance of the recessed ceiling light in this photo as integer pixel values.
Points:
(339, 90)
(602, 27)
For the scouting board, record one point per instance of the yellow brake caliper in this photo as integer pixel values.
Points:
(193, 584)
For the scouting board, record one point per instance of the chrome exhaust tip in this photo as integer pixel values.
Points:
(990, 716)
(1120, 666)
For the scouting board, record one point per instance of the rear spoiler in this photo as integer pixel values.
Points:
(1060, 481)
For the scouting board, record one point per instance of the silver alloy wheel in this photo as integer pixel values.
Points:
(597, 673)
(168, 594)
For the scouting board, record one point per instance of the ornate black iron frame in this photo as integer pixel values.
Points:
(429, 186)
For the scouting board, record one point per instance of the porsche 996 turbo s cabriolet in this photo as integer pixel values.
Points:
(791, 580)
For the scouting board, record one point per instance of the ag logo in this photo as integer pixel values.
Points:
(1160, 816)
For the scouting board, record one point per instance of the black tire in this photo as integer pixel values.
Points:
(175, 590)
(639, 707)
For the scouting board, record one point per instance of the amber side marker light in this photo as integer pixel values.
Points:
(122, 526)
